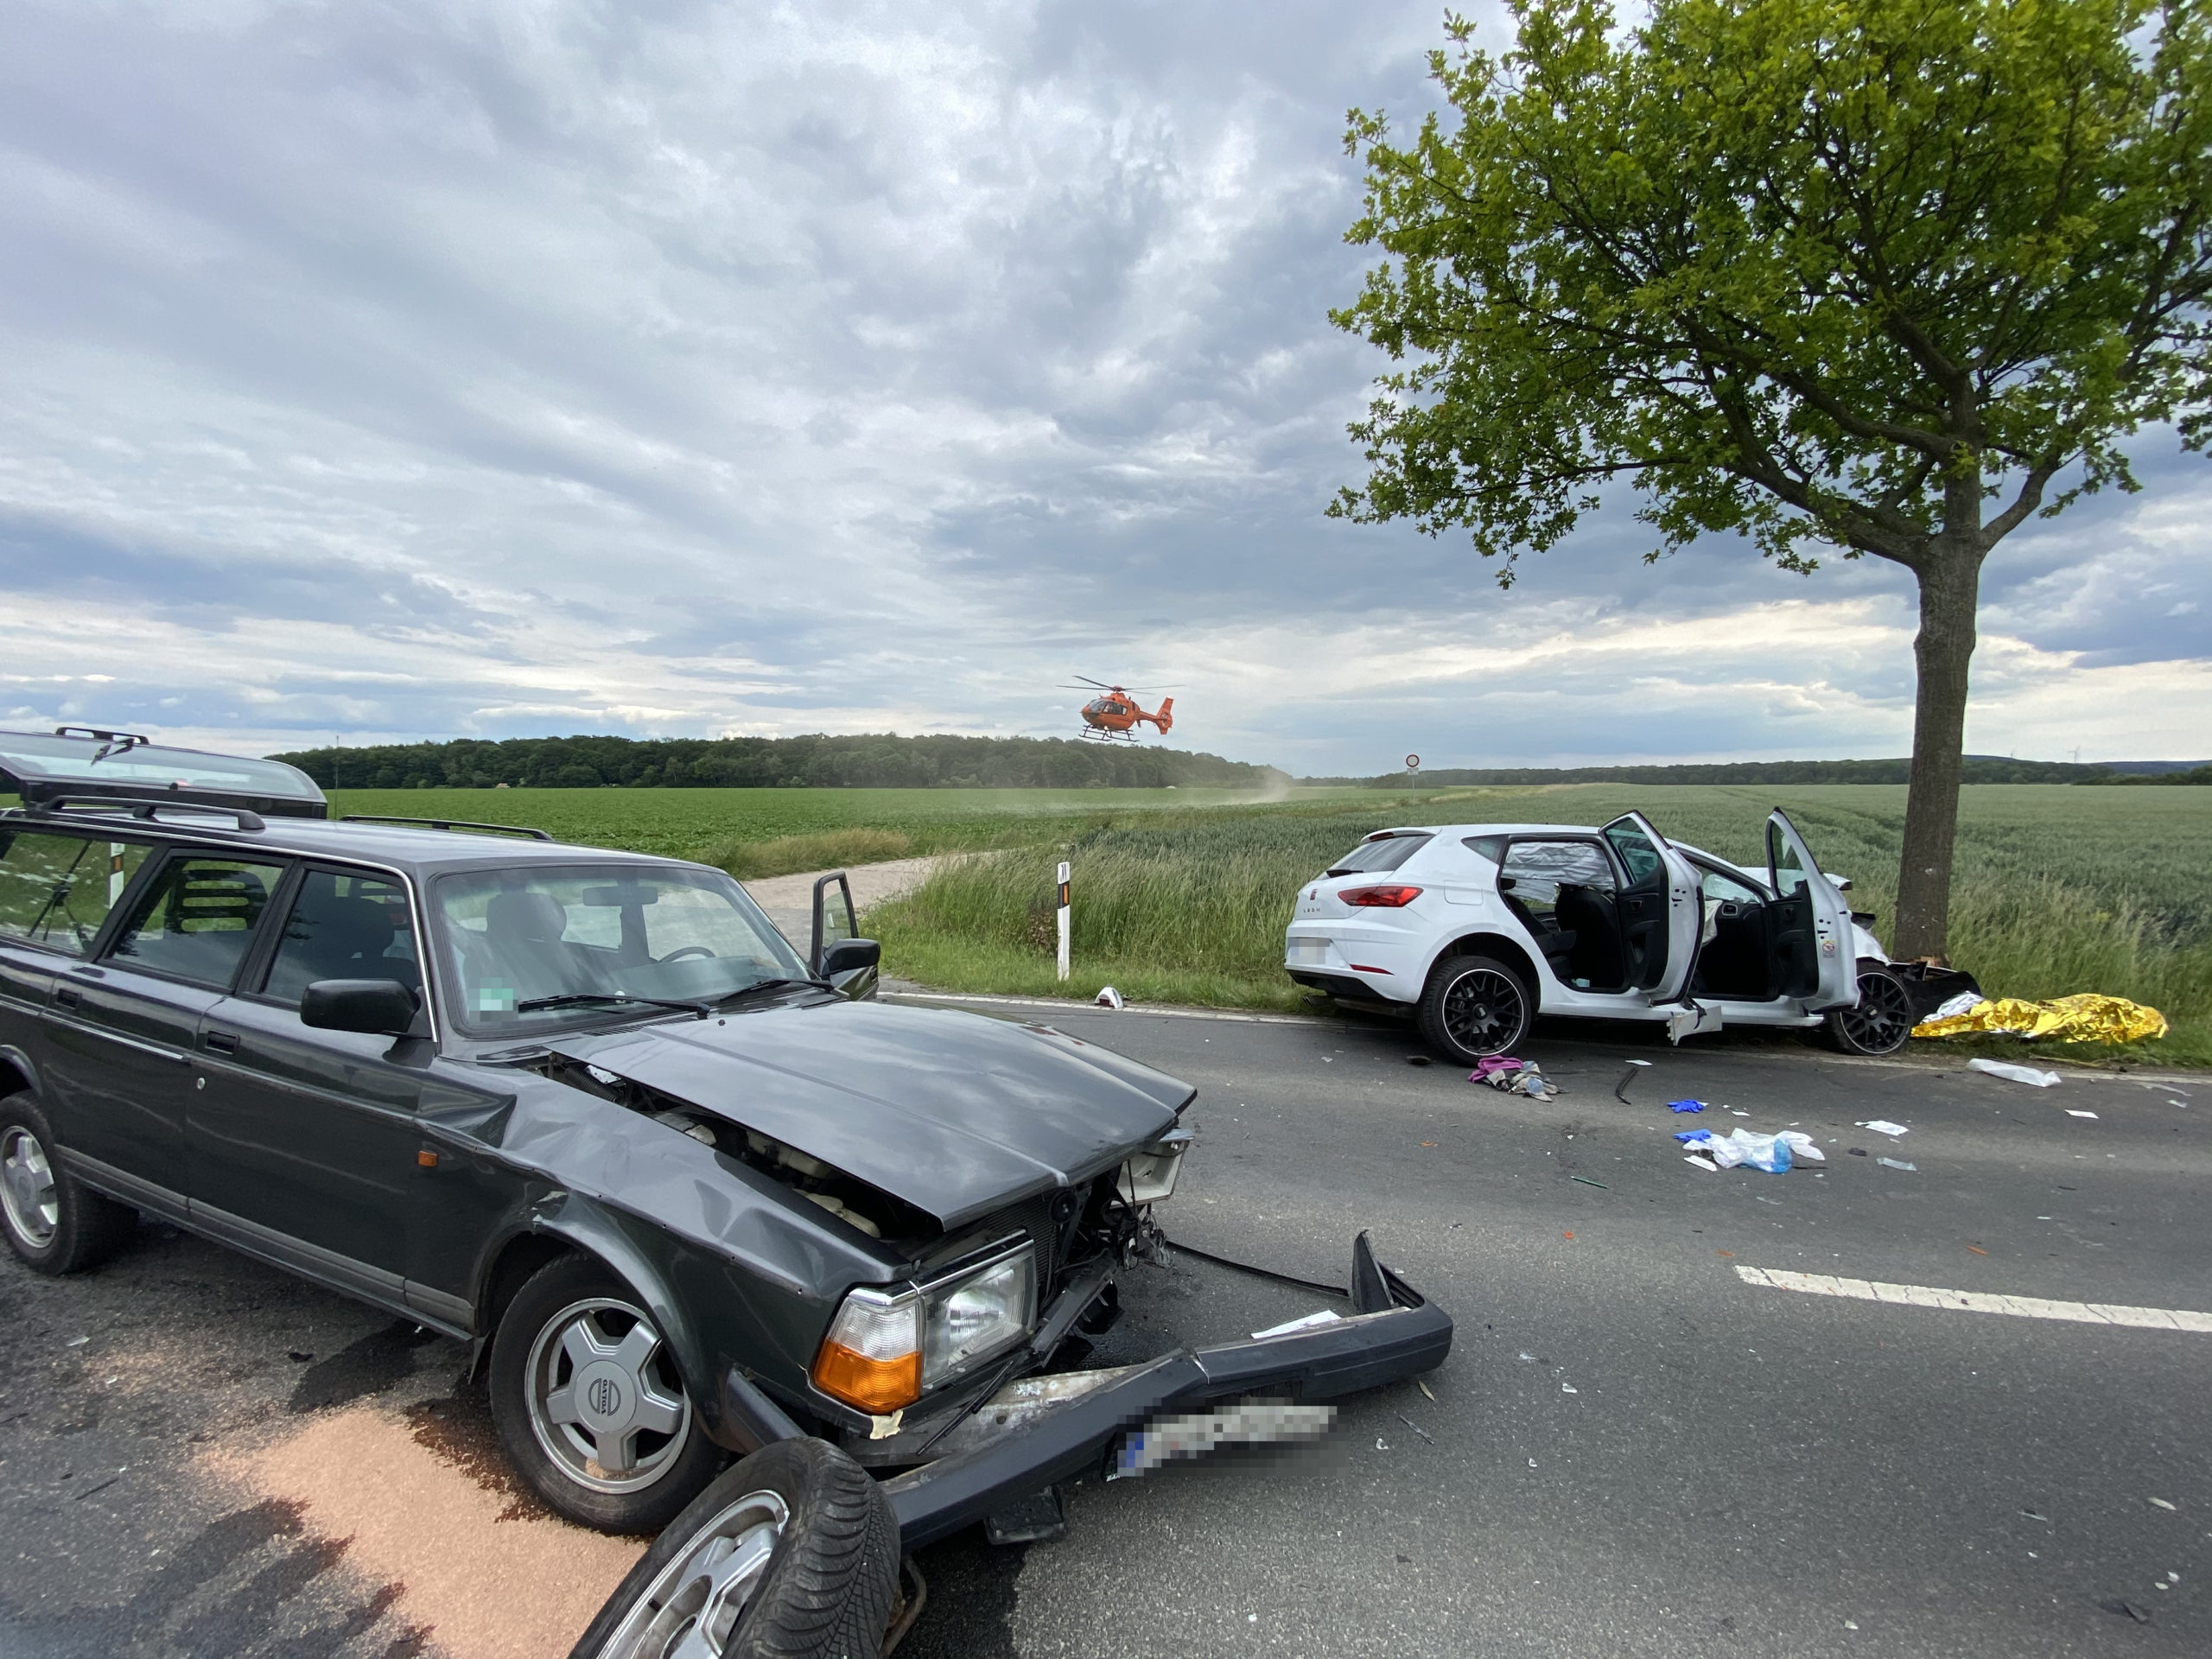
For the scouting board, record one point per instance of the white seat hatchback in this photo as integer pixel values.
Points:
(1478, 928)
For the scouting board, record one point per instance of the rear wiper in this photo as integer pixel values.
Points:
(611, 999)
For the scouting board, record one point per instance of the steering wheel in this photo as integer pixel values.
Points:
(683, 950)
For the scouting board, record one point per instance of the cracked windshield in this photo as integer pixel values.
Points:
(542, 949)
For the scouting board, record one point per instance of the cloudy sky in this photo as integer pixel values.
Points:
(409, 371)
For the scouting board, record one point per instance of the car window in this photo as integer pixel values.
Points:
(197, 918)
(838, 921)
(344, 926)
(1490, 846)
(1783, 862)
(1371, 856)
(56, 890)
(1636, 851)
(515, 936)
(1539, 869)
(1715, 888)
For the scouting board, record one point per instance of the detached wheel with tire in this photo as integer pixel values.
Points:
(1474, 1006)
(1883, 1019)
(588, 1403)
(54, 1224)
(791, 1554)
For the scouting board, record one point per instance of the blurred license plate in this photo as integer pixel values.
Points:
(1309, 952)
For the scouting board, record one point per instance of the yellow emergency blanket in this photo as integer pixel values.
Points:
(2084, 1019)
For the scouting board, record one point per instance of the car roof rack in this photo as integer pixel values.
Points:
(449, 823)
(143, 809)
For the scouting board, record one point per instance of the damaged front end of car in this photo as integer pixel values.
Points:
(975, 1229)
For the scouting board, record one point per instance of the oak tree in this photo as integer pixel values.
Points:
(1886, 277)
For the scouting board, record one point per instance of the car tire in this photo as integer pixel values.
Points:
(1883, 1019)
(55, 1222)
(1473, 1007)
(572, 1380)
(791, 1553)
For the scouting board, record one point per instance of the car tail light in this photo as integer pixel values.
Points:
(872, 1357)
(1390, 896)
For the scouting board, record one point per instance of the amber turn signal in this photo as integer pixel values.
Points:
(874, 1385)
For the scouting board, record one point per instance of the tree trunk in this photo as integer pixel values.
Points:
(1950, 583)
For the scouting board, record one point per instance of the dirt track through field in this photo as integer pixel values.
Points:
(789, 899)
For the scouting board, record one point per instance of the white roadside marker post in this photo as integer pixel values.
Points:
(1063, 919)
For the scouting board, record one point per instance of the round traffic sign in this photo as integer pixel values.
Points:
(1413, 762)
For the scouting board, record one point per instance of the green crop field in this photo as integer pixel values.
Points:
(734, 826)
(1182, 895)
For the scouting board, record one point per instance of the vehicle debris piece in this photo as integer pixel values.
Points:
(1893, 1163)
(1622, 1086)
(2072, 1112)
(1415, 1426)
(1883, 1125)
(2012, 1073)
(1587, 1181)
(1107, 997)
(1254, 1423)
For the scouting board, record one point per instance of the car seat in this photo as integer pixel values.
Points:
(522, 936)
(338, 938)
(1590, 920)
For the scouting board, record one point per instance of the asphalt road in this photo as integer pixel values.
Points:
(1632, 1450)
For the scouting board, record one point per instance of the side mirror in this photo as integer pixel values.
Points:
(1840, 883)
(377, 1007)
(851, 965)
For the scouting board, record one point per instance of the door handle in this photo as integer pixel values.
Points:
(223, 1042)
(66, 996)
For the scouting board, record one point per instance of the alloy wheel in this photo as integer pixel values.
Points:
(1883, 1019)
(1484, 1011)
(604, 1400)
(27, 1189)
(693, 1603)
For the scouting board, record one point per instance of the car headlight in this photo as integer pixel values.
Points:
(884, 1351)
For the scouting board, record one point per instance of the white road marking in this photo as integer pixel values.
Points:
(1063, 1005)
(1979, 1302)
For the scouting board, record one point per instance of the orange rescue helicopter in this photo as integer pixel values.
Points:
(1110, 716)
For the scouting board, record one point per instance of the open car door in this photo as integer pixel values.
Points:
(1808, 926)
(1660, 914)
(835, 919)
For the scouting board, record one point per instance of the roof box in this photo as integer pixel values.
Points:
(83, 763)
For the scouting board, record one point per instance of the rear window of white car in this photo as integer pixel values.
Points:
(1386, 854)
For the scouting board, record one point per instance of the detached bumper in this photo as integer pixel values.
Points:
(1391, 1333)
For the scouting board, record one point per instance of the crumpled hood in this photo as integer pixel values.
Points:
(956, 1114)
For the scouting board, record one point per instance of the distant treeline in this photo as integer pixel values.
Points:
(1977, 769)
(2189, 775)
(884, 761)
